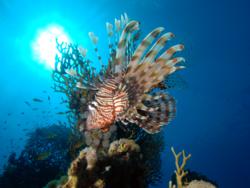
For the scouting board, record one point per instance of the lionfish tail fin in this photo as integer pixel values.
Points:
(153, 112)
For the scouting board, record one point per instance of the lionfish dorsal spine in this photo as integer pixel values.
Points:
(121, 49)
(146, 42)
(157, 47)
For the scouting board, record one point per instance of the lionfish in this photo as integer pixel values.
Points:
(124, 91)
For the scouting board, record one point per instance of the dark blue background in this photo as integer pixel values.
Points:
(212, 112)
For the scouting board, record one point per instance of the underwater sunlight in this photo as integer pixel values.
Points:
(124, 94)
(44, 45)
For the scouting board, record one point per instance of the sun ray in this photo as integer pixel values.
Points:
(44, 46)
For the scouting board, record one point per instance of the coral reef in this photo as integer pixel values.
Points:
(121, 167)
(98, 139)
(44, 157)
(37, 161)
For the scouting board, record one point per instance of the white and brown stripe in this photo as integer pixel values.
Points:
(109, 104)
(121, 49)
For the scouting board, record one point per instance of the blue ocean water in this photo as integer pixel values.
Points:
(212, 120)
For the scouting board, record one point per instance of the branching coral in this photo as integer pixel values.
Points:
(180, 171)
(186, 178)
(72, 67)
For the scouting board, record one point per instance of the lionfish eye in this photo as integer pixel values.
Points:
(93, 103)
(91, 107)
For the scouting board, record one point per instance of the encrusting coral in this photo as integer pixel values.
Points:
(123, 146)
(199, 184)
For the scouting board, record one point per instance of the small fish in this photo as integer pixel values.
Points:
(37, 100)
(63, 101)
(27, 103)
(44, 91)
(22, 113)
(43, 155)
(49, 98)
(60, 113)
(5, 122)
(34, 109)
(24, 129)
(18, 124)
(9, 114)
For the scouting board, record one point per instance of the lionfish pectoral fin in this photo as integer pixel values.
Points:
(153, 112)
(149, 66)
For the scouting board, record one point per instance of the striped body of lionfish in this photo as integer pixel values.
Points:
(124, 91)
